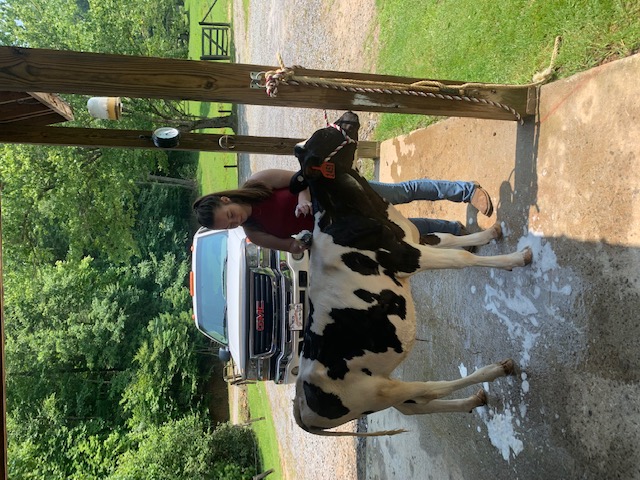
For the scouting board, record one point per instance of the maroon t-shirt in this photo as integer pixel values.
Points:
(276, 215)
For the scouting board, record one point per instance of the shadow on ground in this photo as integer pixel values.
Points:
(566, 184)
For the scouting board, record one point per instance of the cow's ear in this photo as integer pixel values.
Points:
(297, 183)
(299, 150)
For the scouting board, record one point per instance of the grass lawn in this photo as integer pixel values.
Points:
(504, 41)
(264, 429)
(212, 175)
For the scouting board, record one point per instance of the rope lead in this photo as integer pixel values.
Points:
(424, 88)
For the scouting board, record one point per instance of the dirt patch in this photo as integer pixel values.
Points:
(314, 34)
(238, 404)
(306, 456)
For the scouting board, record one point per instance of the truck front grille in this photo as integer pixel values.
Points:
(264, 310)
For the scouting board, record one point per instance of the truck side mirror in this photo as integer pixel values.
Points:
(224, 354)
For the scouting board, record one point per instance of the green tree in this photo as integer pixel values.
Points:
(163, 222)
(64, 202)
(89, 350)
(72, 330)
(77, 202)
(96, 262)
(86, 331)
(165, 383)
(145, 27)
(50, 448)
(152, 28)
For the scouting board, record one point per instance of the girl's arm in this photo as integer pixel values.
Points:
(304, 203)
(275, 178)
(267, 240)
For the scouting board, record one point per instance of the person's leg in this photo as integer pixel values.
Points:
(430, 225)
(424, 189)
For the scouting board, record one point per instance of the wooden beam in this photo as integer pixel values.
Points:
(55, 103)
(102, 137)
(24, 69)
(33, 108)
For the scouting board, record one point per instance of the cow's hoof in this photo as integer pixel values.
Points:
(496, 231)
(482, 397)
(508, 366)
(528, 256)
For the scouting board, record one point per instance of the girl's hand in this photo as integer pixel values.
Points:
(296, 246)
(303, 208)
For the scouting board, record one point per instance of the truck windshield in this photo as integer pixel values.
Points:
(210, 286)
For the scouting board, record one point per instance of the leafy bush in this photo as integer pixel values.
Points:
(234, 444)
(186, 449)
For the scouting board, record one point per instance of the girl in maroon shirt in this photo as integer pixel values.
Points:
(270, 213)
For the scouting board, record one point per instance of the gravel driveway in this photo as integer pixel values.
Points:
(312, 33)
(320, 35)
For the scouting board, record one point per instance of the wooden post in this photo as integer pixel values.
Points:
(24, 69)
(263, 475)
(204, 142)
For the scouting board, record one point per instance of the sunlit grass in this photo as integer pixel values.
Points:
(264, 429)
(211, 175)
(497, 42)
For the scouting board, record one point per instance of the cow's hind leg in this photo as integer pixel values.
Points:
(377, 393)
(489, 373)
(446, 240)
(411, 407)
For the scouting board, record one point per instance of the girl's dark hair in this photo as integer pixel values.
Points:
(251, 192)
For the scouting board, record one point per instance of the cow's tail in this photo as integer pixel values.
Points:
(332, 433)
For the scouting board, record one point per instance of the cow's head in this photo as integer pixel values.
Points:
(330, 151)
(326, 161)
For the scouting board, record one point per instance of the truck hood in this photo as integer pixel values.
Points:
(236, 306)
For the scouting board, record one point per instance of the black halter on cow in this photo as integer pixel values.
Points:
(362, 321)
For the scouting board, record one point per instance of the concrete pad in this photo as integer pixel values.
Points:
(567, 184)
(584, 145)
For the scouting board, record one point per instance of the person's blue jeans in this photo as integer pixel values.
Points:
(426, 189)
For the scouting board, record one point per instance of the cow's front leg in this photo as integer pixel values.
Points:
(439, 258)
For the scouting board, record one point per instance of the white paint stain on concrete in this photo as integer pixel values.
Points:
(514, 305)
(502, 433)
(362, 100)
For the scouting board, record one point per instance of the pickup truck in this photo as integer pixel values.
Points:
(252, 302)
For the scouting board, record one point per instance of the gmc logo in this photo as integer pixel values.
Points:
(260, 316)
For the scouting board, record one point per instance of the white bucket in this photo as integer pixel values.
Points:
(106, 108)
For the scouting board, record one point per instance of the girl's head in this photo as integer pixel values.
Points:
(231, 208)
(220, 212)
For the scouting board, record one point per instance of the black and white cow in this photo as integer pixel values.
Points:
(362, 323)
